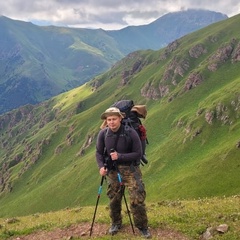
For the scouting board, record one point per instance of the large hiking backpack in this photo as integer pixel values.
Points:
(133, 113)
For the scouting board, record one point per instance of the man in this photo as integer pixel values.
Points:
(124, 158)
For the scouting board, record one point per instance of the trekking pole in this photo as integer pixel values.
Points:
(123, 193)
(122, 189)
(98, 197)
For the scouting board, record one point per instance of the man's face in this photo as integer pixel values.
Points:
(114, 122)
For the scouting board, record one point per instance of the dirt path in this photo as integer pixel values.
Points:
(82, 231)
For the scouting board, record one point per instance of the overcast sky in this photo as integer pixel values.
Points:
(106, 14)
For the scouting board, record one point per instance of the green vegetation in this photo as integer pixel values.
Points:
(185, 218)
(47, 155)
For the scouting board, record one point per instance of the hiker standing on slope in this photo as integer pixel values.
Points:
(123, 158)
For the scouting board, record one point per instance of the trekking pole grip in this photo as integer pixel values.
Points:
(112, 150)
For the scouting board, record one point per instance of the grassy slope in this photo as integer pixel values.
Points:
(180, 165)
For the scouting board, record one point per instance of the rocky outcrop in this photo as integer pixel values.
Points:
(16, 124)
(193, 80)
(226, 113)
(125, 77)
(213, 231)
(209, 116)
(176, 70)
(220, 56)
(127, 74)
(150, 91)
(87, 144)
(197, 50)
(96, 84)
(230, 51)
(236, 54)
(5, 184)
(164, 90)
(169, 49)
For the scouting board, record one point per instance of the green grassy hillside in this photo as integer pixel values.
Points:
(192, 92)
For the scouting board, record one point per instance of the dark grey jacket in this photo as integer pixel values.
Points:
(128, 145)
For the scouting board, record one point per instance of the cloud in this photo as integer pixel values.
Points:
(106, 14)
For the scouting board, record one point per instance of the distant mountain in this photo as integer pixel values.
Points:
(192, 92)
(164, 30)
(37, 63)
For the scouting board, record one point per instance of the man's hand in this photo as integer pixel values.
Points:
(103, 171)
(114, 156)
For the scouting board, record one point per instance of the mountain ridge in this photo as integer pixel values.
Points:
(45, 61)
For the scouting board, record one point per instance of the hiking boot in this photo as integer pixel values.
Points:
(145, 232)
(114, 229)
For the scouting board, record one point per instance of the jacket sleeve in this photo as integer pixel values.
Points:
(100, 145)
(136, 150)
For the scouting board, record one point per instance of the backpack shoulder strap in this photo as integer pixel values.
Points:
(105, 133)
(126, 133)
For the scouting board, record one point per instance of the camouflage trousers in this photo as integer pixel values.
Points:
(132, 180)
